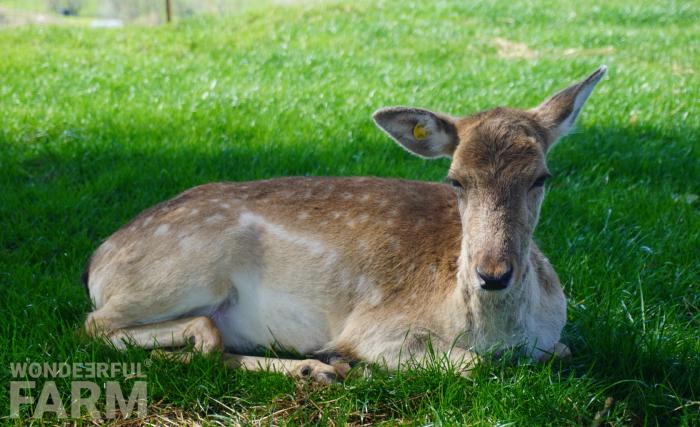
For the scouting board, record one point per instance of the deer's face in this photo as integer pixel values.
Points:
(498, 170)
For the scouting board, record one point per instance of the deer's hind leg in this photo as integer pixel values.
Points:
(200, 331)
(204, 335)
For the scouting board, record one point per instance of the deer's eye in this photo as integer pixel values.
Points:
(454, 183)
(539, 182)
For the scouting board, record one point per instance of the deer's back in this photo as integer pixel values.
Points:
(368, 240)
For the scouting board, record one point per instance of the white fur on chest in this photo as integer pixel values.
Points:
(525, 318)
(497, 329)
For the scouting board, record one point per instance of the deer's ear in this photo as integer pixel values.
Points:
(421, 132)
(559, 112)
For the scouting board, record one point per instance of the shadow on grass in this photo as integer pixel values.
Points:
(63, 194)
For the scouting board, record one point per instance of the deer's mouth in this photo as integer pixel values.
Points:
(494, 286)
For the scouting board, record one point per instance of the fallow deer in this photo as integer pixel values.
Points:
(365, 268)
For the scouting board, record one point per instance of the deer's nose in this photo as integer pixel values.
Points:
(494, 282)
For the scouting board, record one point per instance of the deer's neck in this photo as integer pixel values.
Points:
(492, 318)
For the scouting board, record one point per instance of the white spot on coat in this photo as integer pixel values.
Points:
(214, 219)
(190, 244)
(366, 289)
(161, 230)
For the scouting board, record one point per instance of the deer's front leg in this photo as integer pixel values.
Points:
(559, 350)
(422, 350)
(309, 368)
(461, 360)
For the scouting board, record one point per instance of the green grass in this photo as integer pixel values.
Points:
(96, 125)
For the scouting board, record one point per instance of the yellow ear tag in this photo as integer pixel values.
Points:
(420, 132)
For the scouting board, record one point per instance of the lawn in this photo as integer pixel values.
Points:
(97, 125)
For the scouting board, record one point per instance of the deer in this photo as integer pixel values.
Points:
(342, 269)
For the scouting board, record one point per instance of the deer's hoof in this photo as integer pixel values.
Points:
(315, 370)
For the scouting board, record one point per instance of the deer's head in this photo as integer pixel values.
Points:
(498, 172)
